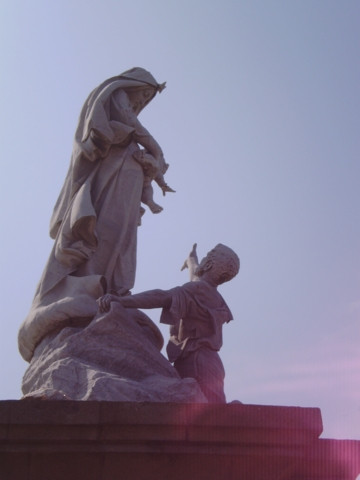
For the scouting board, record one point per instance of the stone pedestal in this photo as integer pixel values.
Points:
(58, 440)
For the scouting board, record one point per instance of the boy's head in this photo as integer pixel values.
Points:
(221, 263)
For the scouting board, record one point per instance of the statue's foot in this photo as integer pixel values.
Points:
(165, 188)
(155, 208)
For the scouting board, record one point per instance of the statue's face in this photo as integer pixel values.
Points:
(205, 263)
(139, 98)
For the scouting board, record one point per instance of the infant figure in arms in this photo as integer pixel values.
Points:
(196, 313)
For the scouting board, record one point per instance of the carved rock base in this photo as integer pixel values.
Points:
(116, 357)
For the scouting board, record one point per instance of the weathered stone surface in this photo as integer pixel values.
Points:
(95, 220)
(74, 353)
(161, 441)
(115, 358)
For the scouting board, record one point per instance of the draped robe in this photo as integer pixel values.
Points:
(95, 220)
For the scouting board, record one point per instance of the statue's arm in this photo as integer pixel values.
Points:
(123, 112)
(149, 299)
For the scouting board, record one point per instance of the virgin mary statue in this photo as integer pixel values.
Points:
(95, 219)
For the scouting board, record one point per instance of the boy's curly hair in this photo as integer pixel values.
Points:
(225, 263)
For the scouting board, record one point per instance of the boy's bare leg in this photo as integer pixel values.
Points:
(147, 199)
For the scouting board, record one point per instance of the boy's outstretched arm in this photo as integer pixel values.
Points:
(149, 299)
(192, 264)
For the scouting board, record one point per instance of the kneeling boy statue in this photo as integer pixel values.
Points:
(196, 313)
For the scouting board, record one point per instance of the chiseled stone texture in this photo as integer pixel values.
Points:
(115, 358)
(160, 441)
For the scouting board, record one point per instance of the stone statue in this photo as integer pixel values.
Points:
(78, 351)
(196, 312)
(95, 219)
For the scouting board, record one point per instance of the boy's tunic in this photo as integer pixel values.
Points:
(196, 315)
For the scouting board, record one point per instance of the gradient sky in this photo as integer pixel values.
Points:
(260, 124)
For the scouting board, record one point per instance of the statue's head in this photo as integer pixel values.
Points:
(141, 87)
(221, 264)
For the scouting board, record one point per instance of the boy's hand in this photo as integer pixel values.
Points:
(192, 256)
(105, 301)
(193, 251)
